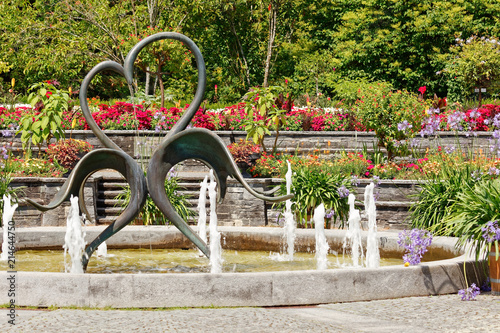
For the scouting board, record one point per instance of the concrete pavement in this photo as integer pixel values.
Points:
(446, 313)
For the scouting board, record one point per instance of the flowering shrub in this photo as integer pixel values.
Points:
(34, 167)
(242, 150)
(68, 152)
(415, 243)
(384, 112)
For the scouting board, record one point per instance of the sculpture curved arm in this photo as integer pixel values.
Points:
(105, 65)
(200, 65)
(98, 160)
(202, 145)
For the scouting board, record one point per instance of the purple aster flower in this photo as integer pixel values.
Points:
(469, 294)
(496, 121)
(330, 214)
(430, 126)
(476, 175)
(494, 171)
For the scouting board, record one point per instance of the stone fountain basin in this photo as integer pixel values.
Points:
(441, 276)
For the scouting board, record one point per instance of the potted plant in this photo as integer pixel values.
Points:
(491, 233)
(245, 154)
(474, 219)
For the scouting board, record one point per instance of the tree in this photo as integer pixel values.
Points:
(475, 63)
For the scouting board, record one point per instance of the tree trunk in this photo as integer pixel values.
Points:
(148, 78)
(272, 34)
(233, 29)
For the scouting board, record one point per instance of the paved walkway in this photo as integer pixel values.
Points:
(413, 314)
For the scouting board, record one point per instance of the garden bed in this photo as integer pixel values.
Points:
(239, 208)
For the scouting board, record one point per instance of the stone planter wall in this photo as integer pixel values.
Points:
(42, 191)
(323, 143)
(239, 207)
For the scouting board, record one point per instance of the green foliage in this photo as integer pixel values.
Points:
(475, 205)
(51, 103)
(474, 63)
(313, 188)
(381, 110)
(150, 213)
(347, 90)
(6, 169)
(435, 202)
(263, 115)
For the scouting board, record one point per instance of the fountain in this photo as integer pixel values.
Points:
(74, 240)
(215, 246)
(289, 228)
(352, 239)
(190, 289)
(8, 213)
(321, 244)
(102, 250)
(372, 253)
(202, 210)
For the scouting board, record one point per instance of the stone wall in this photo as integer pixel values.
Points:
(239, 207)
(323, 143)
(42, 191)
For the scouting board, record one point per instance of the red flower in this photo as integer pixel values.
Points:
(422, 89)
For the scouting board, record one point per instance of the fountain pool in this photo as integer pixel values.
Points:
(441, 274)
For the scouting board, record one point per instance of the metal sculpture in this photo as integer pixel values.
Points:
(178, 145)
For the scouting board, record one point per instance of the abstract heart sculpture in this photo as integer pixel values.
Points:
(179, 144)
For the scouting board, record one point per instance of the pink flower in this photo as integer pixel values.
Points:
(371, 166)
(422, 89)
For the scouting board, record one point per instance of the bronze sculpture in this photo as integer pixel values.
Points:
(178, 145)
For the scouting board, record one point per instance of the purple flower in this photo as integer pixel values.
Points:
(414, 142)
(376, 180)
(354, 180)
(343, 192)
(404, 126)
(469, 294)
(330, 214)
(449, 149)
(496, 121)
(491, 232)
(494, 171)
(474, 114)
(3, 153)
(6, 133)
(476, 175)
(455, 120)
(415, 243)
(430, 126)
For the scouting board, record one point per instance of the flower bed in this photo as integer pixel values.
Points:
(128, 116)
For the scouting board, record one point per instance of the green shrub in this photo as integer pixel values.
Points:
(384, 111)
(150, 213)
(319, 187)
